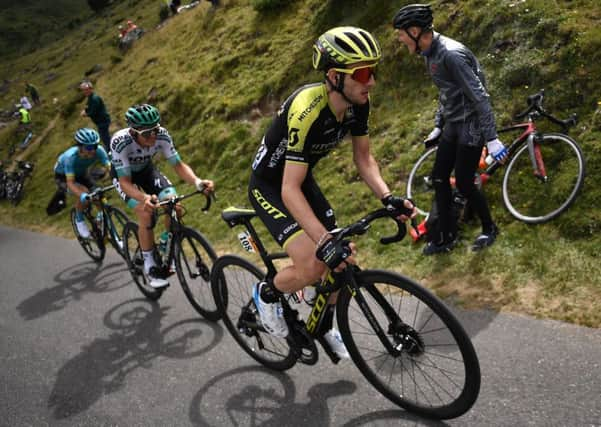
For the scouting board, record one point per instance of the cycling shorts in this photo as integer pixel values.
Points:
(151, 181)
(266, 199)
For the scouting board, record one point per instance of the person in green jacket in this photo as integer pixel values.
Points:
(96, 110)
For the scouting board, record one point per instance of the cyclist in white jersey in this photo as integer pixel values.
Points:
(140, 183)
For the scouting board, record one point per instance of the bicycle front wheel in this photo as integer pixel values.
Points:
(114, 228)
(93, 245)
(408, 345)
(135, 262)
(194, 258)
(534, 200)
(233, 279)
(420, 187)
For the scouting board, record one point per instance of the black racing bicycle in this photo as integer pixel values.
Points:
(544, 173)
(14, 182)
(105, 222)
(403, 339)
(187, 253)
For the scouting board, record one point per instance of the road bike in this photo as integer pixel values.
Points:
(544, 173)
(403, 339)
(14, 185)
(105, 222)
(187, 253)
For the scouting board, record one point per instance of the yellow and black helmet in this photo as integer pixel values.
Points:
(342, 47)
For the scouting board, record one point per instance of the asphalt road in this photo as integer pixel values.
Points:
(80, 346)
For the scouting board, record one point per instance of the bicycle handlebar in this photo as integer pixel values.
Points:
(361, 226)
(96, 194)
(535, 104)
(171, 202)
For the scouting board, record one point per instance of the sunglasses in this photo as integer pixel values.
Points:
(89, 147)
(359, 74)
(147, 133)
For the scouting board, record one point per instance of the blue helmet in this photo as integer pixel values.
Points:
(87, 136)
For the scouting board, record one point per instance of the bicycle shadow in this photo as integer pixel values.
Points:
(267, 398)
(138, 339)
(73, 283)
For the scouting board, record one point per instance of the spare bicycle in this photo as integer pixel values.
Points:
(105, 222)
(187, 253)
(14, 182)
(403, 339)
(544, 173)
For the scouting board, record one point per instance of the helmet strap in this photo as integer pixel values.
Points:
(339, 87)
(416, 39)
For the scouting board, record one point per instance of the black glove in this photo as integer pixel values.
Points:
(332, 253)
(395, 203)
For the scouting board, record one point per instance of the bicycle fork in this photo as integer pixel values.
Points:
(536, 157)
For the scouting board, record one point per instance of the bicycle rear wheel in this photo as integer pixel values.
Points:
(93, 245)
(135, 262)
(420, 187)
(532, 200)
(115, 223)
(420, 357)
(232, 280)
(194, 258)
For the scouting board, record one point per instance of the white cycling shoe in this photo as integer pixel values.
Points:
(154, 280)
(272, 314)
(334, 339)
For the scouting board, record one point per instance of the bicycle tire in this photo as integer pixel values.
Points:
(194, 258)
(93, 245)
(419, 184)
(135, 262)
(118, 218)
(232, 281)
(434, 370)
(533, 201)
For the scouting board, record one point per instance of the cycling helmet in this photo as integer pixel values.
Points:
(413, 15)
(341, 47)
(87, 136)
(142, 116)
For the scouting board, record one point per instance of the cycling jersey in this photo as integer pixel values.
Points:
(72, 166)
(305, 130)
(457, 74)
(129, 157)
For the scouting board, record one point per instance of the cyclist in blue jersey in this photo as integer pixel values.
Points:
(464, 122)
(140, 183)
(71, 171)
(308, 126)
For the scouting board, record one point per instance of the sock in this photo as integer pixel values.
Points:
(148, 260)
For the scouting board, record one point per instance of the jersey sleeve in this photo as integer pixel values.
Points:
(103, 157)
(360, 127)
(168, 149)
(303, 112)
(69, 166)
(119, 156)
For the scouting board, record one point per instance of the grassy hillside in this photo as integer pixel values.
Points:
(217, 75)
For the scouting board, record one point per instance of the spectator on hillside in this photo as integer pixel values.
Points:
(33, 92)
(24, 101)
(96, 110)
(130, 26)
(24, 118)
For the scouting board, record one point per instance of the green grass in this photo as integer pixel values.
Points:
(218, 76)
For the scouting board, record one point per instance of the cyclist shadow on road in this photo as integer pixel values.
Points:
(137, 340)
(72, 284)
(267, 398)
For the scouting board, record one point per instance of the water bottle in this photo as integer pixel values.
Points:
(163, 240)
(99, 219)
(489, 159)
(310, 295)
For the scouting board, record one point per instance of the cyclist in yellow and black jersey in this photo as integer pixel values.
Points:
(305, 130)
(282, 189)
